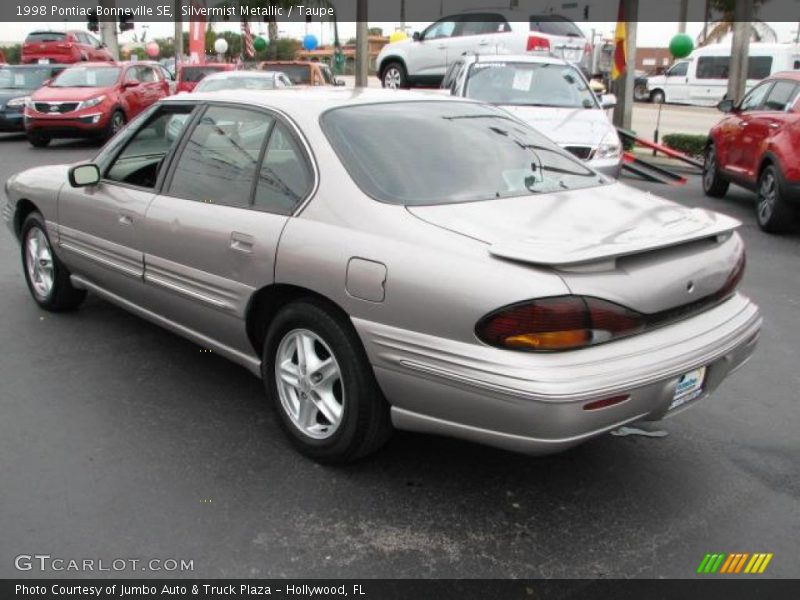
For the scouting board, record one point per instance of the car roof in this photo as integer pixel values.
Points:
(287, 62)
(238, 74)
(521, 58)
(97, 64)
(795, 75)
(314, 101)
(37, 66)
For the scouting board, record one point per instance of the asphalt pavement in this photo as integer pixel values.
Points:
(119, 440)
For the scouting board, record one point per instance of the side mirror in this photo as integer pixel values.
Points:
(130, 84)
(46, 82)
(725, 106)
(416, 37)
(608, 101)
(339, 83)
(83, 175)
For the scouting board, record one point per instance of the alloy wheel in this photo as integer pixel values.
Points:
(117, 121)
(767, 196)
(309, 382)
(709, 168)
(392, 78)
(39, 262)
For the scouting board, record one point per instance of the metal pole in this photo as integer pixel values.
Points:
(362, 44)
(683, 16)
(108, 30)
(623, 111)
(178, 34)
(737, 72)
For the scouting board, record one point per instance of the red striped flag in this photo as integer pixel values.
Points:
(247, 39)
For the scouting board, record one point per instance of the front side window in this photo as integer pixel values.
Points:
(755, 98)
(441, 29)
(781, 95)
(445, 152)
(219, 161)
(142, 158)
(529, 84)
(679, 70)
(87, 77)
(285, 176)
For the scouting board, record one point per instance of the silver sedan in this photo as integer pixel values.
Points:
(395, 261)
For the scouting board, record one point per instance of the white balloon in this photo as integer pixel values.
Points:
(221, 46)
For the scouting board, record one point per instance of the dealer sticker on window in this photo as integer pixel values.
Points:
(690, 386)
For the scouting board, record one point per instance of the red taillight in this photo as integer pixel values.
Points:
(560, 323)
(538, 44)
(605, 402)
(587, 49)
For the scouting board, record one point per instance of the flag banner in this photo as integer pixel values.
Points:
(197, 36)
(620, 42)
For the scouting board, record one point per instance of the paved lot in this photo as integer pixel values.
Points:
(120, 440)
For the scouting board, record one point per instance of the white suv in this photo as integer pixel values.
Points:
(424, 59)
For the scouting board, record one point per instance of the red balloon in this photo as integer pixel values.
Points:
(153, 49)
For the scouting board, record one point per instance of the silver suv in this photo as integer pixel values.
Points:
(423, 59)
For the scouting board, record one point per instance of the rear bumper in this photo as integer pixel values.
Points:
(534, 403)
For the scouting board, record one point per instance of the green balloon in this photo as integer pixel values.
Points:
(259, 44)
(681, 46)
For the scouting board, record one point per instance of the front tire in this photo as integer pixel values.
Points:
(322, 386)
(394, 76)
(115, 123)
(713, 183)
(38, 140)
(657, 97)
(773, 214)
(46, 276)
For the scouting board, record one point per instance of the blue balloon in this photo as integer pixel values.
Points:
(310, 42)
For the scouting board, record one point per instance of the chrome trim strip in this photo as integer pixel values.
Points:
(137, 273)
(155, 279)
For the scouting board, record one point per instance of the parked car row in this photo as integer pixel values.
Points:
(395, 261)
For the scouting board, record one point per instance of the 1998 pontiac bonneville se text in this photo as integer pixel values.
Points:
(381, 260)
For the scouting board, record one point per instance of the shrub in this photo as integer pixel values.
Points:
(693, 145)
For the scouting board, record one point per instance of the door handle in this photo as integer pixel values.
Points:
(125, 219)
(241, 242)
(441, 47)
(774, 125)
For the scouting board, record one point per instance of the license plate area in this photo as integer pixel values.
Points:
(690, 386)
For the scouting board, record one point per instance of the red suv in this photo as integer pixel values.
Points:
(190, 75)
(63, 47)
(756, 146)
(92, 100)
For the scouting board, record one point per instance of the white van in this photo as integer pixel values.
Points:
(702, 78)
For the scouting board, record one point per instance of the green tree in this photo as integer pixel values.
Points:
(717, 30)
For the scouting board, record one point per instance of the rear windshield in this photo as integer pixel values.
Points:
(235, 83)
(297, 74)
(195, 74)
(45, 36)
(24, 78)
(445, 152)
(87, 77)
(554, 26)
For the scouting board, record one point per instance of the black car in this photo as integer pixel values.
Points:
(17, 83)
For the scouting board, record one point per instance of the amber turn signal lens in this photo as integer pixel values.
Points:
(550, 340)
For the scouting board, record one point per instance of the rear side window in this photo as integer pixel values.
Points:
(718, 67)
(218, 164)
(482, 24)
(285, 177)
(39, 37)
(781, 95)
(554, 26)
(759, 67)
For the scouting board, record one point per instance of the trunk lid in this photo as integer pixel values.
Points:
(611, 241)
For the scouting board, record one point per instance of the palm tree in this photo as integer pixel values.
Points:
(716, 31)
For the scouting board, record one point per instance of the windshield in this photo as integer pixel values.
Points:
(195, 74)
(297, 74)
(87, 77)
(236, 83)
(23, 79)
(444, 152)
(529, 84)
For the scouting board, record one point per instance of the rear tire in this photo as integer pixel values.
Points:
(657, 97)
(713, 183)
(46, 276)
(327, 400)
(394, 76)
(773, 214)
(38, 140)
